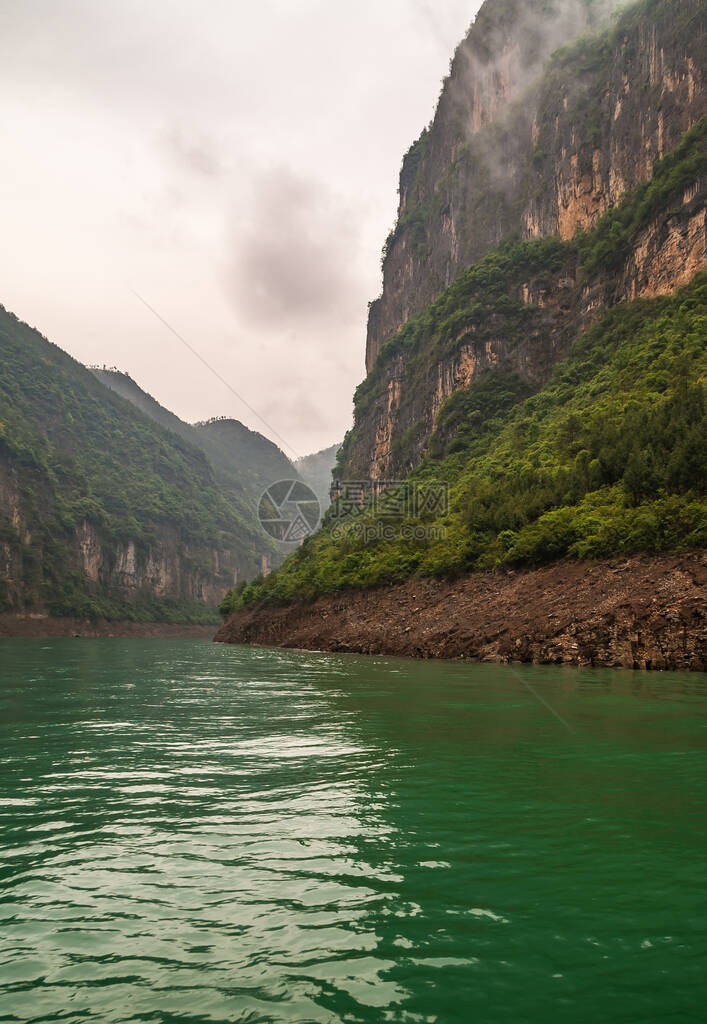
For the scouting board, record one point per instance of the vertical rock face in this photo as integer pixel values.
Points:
(530, 145)
(167, 569)
(521, 337)
(669, 253)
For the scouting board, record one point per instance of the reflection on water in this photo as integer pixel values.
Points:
(200, 833)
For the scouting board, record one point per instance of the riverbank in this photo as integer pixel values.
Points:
(44, 627)
(641, 612)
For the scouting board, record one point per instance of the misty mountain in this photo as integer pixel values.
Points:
(317, 471)
(244, 462)
(107, 509)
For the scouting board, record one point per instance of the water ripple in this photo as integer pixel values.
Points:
(192, 833)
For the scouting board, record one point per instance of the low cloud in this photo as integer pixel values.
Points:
(513, 50)
(295, 254)
(198, 156)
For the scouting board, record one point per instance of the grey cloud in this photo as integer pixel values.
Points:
(199, 156)
(136, 130)
(295, 253)
(508, 64)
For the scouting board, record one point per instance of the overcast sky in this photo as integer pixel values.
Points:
(236, 165)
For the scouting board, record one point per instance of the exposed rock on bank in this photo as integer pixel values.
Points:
(643, 612)
(44, 626)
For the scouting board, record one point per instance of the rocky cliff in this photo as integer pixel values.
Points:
(514, 315)
(527, 145)
(637, 613)
(535, 400)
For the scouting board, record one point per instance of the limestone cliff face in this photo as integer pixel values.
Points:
(168, 568)
(670, 251)
(526, 146)
(393, 432)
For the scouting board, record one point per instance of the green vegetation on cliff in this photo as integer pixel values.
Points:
(607, 458)
(475, 306)
(244, 462)
(85, 478)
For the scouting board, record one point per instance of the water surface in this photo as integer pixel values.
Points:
(193, 833)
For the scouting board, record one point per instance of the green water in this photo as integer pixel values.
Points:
(191, 832)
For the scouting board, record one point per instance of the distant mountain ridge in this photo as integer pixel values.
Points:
(113, 508)
(244, 461)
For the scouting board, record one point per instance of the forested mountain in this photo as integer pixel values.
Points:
(539, 345)
(243, 457)
(103, 510)
(244, 461)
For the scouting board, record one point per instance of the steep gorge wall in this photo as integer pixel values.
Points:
(169, 568)
(670, 251)
(523, 147)
(540, 160)
(515, 323)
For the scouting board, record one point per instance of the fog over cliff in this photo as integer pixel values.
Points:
(528, 31)
(236, 166)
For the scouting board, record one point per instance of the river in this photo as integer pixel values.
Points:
(192, 833)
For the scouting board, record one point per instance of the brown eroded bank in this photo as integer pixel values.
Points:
(639, 612)
(45, 626)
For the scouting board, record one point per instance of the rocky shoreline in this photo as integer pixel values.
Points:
(42, 627)
(643, 612)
